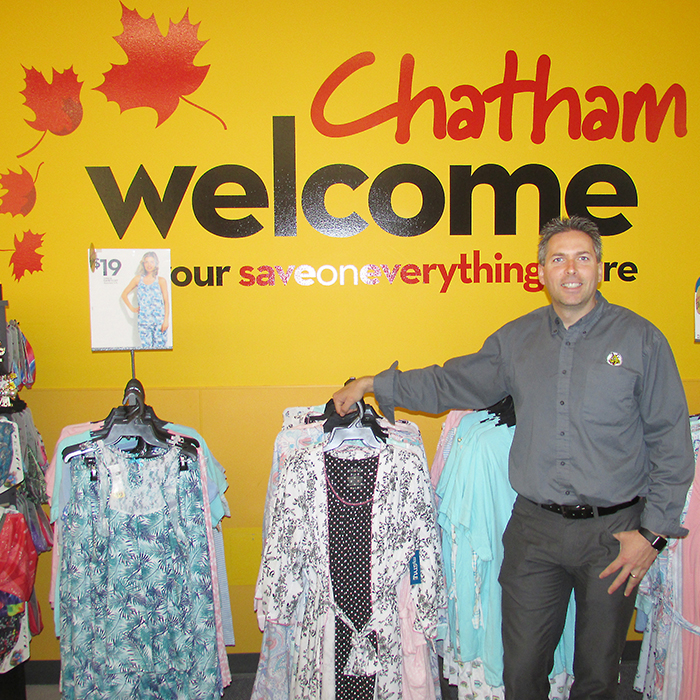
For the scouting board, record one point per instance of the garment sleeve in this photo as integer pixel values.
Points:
(285, 551)
(664, 412)
(427, 589)
(471, 381)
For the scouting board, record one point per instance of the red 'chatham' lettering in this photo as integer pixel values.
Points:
(468, 122)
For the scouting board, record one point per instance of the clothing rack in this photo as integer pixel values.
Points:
(3, 334)
(24, 503)
(8, 381)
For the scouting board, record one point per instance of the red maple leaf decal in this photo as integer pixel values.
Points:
(21, 193)
(160, 69)
(56, 104)
(25, 258)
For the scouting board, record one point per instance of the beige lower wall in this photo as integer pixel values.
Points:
(239, 425)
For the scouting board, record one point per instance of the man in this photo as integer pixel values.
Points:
(601, 459)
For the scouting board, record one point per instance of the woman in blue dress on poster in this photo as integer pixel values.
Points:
(153, 308)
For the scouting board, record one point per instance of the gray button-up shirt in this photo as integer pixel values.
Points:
(600, 407)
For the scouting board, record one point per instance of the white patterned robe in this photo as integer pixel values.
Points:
(294, 585)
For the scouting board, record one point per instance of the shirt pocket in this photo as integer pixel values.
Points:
(609, 396)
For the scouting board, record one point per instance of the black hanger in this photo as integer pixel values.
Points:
(358, 425)
(129, 421)
(16, 406)
(134, 420)
(504, 410)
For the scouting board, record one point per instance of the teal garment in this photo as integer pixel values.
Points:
(136, 600)
(476, 501)
(61, 483)
(216, 479)
(215, 474)
(477, 507)
(59, 497)
(453, 556)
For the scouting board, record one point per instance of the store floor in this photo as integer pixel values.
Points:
(242, 685)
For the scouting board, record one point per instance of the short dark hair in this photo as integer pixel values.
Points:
(574, 223)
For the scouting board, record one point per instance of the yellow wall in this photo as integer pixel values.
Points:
(242, 353)
(269, 59)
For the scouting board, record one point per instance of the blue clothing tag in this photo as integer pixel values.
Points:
(414, 568)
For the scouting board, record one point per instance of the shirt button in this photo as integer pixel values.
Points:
(562, 433)
(568, 343)
(563, 371)
(562, 463)
(561, 403)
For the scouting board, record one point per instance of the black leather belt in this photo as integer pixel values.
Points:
(586, 511)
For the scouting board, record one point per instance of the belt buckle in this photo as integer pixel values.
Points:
(577, 511)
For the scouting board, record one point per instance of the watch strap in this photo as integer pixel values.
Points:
(656, 541)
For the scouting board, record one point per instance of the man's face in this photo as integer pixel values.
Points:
(571, 274)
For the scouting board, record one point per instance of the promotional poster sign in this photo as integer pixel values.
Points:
(130, 307)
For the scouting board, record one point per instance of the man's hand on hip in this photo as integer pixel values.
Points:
(635, 557)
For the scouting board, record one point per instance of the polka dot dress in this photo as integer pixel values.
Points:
(350, 488)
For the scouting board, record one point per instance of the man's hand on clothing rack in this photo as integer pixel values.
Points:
(345, 398)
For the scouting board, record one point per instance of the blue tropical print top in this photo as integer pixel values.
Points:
(136, 598)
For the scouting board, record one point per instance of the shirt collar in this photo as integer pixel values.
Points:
(583, 325)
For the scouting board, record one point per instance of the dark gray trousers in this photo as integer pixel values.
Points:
(546, 557)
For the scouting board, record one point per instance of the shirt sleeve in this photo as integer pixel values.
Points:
(468, 382)
(664, 413)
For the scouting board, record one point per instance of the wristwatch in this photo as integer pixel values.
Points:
(656, 541)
